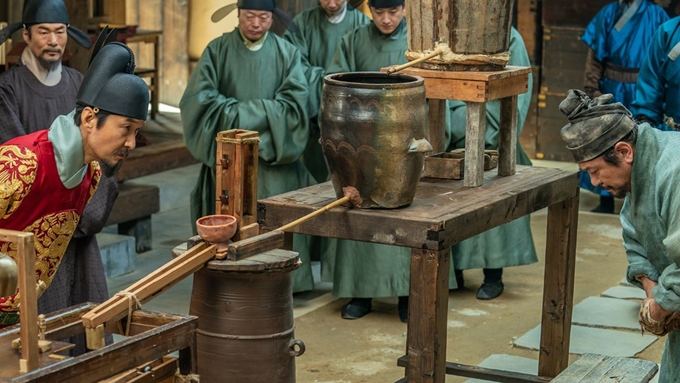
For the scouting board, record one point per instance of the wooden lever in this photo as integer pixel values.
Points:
(436, 52)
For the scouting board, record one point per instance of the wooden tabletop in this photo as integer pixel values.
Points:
(443, 212)
(508, 71)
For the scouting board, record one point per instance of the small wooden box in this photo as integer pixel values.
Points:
(451, 165)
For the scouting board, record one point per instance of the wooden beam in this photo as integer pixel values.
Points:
(482, 373)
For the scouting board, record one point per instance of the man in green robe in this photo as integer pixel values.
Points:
(364, 270)
(510, 244)
(642, 164)
(317, 34)
(254, 80)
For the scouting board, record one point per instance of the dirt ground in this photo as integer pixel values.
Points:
(366, 350)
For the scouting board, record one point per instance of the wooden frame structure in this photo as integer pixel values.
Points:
(476, 89)
(152, 336)
(444, 213)
(236, 179)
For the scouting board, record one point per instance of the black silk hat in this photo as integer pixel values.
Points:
(257, 5)
(110, 84)
(594, 125)
(385, 3)
(46, 11)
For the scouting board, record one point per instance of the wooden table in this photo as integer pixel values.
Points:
(443, 213)
(150, 37)
(476, 89)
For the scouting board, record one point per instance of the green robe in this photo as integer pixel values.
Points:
(264, 91)
(317, 38)
(366, 270)
(650, 218)
(510, 244)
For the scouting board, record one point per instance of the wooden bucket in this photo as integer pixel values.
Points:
(476, 31)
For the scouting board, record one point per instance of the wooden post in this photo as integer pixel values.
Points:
(558, 291)
(429, 297)
(437, 126)
(474, 144)
(507, 142)
(28, 315)
(236, 176)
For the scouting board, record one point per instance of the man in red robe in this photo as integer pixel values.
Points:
(47, 177)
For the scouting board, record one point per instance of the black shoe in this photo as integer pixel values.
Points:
(606, 205)
(460, 281)
(356, 308)
(403, 309)
(490, 290)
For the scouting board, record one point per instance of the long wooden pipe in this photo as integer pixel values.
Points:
(351, 196)
(428, 56)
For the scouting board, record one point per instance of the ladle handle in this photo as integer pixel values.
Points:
(314, 214)
(436, 52)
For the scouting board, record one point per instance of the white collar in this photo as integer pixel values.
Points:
(338, 17)
(47, 77)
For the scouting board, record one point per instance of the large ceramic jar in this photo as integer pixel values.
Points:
(373, 135)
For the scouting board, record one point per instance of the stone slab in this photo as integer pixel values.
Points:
(607, 313)
(118, 253)
(594, 341)
(507, 363)
(624, 292)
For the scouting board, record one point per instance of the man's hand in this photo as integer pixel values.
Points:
(655, 319)
(657, 312)
(647, 285)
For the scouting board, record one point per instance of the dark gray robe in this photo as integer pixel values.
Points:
(26, 106)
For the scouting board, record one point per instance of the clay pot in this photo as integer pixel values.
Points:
(373, 134)
(216, 228)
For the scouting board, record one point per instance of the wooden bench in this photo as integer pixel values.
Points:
(592, 368)
(132, 212)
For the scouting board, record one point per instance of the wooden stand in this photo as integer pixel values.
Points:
(152, 337)
(444, 213)
(236, 179)
(476, 89)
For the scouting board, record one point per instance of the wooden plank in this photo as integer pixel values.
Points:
(442, 210)
(414, 26)
(507, 141)
(426, 333)
(276, 259)
(437, 124)
(529, 26)
(158, 273)
(508, 71)
(591, 368)
(474, 144)
(475, 90)
(134, 201)
(255, 245)
(476, 372)
(507, 87)
(558, 290)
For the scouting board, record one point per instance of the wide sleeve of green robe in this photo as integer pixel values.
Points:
(282, 121)
(667, 292)
(638, 263)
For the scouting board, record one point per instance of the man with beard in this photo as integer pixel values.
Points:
(32, 95)
(254, 80)
(317, 34)
(642, 164)
(49, 176)
(364, 270)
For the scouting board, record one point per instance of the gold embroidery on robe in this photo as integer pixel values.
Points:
(96, 175)
(52, 234)
(17, 172)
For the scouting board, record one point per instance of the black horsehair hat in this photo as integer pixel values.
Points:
(46, 11)
(111, 85)
(257, 5)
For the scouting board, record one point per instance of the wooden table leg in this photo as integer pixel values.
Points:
(474, 144)
(156, 94)
(428, 309)
(507, 141)
(437, 125)
(558, 290)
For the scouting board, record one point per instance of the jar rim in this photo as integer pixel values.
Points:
(373, 80)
